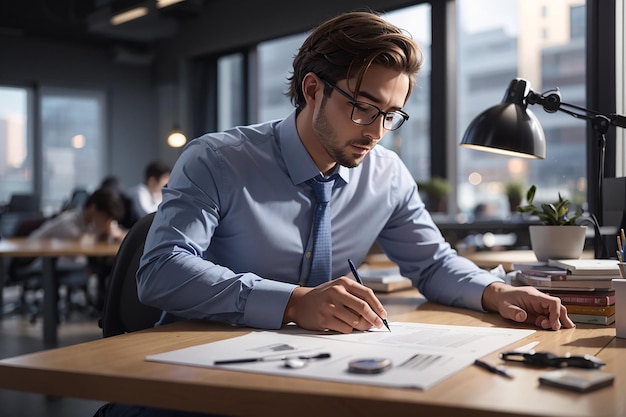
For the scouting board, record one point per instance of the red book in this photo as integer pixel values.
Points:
(594, 298)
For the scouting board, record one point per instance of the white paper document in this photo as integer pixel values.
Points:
(421, 354)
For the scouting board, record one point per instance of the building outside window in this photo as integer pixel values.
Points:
(16, 143)
(492, 50)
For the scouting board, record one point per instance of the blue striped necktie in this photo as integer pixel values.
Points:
(321, 265)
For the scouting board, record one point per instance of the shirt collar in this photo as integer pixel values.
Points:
(299, 163)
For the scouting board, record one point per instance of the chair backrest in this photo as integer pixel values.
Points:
(123, 312)
(17, 270)
(24, 203)
(19, 223)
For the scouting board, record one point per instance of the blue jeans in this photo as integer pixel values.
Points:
(124, 410)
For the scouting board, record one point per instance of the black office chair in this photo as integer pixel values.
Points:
(123, 312)
(24, 203)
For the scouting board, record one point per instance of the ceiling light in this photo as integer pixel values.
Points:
(129, 15)
(176, 138)
(164, 3)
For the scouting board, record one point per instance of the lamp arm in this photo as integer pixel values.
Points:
(551, 103)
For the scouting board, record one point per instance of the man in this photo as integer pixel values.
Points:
(236, 236)
(96, 219)
(233, 240)
(147, 196)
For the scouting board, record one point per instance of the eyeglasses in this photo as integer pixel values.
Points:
(365, 113)
(550, 359)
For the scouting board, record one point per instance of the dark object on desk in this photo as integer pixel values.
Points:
(369, 366)
(123, 312)
(577, 380)
(271, 359)
(493, 368)
(550, 359)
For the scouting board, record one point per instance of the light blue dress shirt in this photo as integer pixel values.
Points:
(232, 237)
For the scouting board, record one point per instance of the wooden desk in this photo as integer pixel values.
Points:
(114, 369)
(50, 250)
(491, 259)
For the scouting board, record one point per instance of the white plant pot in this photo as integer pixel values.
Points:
(557, 242)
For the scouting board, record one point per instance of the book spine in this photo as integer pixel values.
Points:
(591, 319)
(582, 300)
(593, 310)
(546, 282)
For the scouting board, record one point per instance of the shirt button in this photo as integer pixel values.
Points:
(308, 255)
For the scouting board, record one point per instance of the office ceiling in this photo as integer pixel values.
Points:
(88, 21)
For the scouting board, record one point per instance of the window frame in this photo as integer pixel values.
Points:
(600, 91)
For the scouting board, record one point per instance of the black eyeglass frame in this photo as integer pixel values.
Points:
(355, 102)
(543, 359)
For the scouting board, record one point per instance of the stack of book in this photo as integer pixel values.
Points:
(594, 307)
(385, 279)
(583, 285)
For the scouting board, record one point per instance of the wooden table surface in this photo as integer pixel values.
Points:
(114, 369)
(50, 250)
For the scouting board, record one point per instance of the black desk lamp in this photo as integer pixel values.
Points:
(511, 128)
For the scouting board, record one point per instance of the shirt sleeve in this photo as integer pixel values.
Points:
(175, 274)
(66, 225)
(412, 240)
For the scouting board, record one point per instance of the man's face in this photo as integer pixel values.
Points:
(156, 184)
(101, 222)
(345, 141)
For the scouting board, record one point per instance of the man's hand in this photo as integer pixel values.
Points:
(341, 305)
(526, 305)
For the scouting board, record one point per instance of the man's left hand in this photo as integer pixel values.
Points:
(526, 305)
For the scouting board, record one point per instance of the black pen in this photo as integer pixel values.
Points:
(493, 368)
(358, 279)
(270, 359)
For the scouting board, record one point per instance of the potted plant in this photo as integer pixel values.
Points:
(558, 236)
(436, 190)
(514, 192)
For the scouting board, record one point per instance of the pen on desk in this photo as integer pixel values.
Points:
(270, 359)
(358, 279)
(493, 368)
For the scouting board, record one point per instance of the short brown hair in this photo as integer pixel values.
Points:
(347, 45)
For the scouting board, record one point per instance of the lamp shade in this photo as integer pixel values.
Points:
(508, 128)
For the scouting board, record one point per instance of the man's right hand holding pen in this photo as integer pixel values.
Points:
(342, 305)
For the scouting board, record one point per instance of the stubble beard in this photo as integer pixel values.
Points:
(328, 139)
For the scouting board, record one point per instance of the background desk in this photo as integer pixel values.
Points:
(491, 259)
(50, 250)
(114, 369)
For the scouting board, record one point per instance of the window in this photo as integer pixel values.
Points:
(230, 91)
(547, 60)
(274, 67)
(412, 141)
(72, 143)
(16, 142)
(489, 51)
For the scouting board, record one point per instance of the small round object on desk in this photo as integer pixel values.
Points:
(369, 365)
